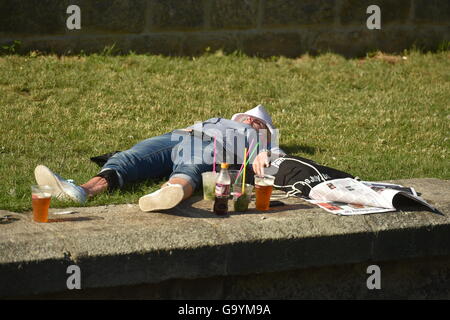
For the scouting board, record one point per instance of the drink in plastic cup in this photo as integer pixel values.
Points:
(263, 191)
(233, 175)
(209, 185)
(241, 201)
(40, 198)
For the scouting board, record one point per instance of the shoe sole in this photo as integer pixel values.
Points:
(167, 198)
(44, 176)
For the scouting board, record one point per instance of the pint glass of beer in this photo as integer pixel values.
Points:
(40, 198)
(263, 191)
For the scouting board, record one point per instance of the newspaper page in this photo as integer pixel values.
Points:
(347, 209)
(383, 185)
(349, 190)
(348, 196)
(404, 194)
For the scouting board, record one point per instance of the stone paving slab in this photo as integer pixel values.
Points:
(121, 245)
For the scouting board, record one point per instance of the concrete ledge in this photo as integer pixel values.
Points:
(122, 246)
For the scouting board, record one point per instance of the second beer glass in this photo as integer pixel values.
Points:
(263, 191)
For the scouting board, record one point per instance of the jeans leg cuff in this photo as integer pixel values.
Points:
(185, 177)
(117, 181)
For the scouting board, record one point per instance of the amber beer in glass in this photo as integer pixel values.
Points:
(263, 191)
(40, 199)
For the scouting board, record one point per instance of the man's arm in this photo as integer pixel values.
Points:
(264, 158)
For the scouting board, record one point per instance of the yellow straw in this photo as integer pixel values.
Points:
(245, 166)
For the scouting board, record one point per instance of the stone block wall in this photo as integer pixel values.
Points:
(255, 27)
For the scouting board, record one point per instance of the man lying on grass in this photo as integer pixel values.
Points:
(183, 155)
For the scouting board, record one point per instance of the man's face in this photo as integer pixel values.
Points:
(254, 123)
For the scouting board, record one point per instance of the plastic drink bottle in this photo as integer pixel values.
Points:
(222, 192)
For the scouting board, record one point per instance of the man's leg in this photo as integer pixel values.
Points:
(95, 186)
(98, 185)
(188, 189)
(61, 188)
(184, 180)
(148, 159)
(168, 196)
(66, 189)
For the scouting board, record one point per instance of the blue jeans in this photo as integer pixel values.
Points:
(159, 157)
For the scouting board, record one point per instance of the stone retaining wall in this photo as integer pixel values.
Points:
(294, 252)
(255, 27)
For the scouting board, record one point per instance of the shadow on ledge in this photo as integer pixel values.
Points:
(196, 207)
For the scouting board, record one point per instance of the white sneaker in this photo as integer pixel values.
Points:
(162, 199)
(62, 189)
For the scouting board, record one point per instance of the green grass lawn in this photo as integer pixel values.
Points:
(382, 117)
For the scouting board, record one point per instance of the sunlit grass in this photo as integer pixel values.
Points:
(383, 117)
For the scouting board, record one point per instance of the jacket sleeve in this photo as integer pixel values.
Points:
(278, 151)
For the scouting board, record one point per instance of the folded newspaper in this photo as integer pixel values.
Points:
(352, 197)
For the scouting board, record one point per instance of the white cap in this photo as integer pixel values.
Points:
(258, 112)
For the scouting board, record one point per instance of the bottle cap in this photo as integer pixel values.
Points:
(224, 165)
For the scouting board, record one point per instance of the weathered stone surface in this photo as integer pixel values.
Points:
(432, 11)
(411, 279)
(115, 16)
(394, 39)
(256, 27)
(48, 17)
(122, 246)
(293, 13)
(167, 44)
(171, 44)
(199, 43)
(266, 44)
(33, 16)
(175, 14)
(353, 12)
(349, 43)
(233, 14)
(77, 44)
(416, 241)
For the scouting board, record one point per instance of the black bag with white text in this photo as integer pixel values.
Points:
(296, 175)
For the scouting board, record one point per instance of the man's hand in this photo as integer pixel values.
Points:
(261, 161)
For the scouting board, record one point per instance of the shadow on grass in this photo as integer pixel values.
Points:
(296, 149)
